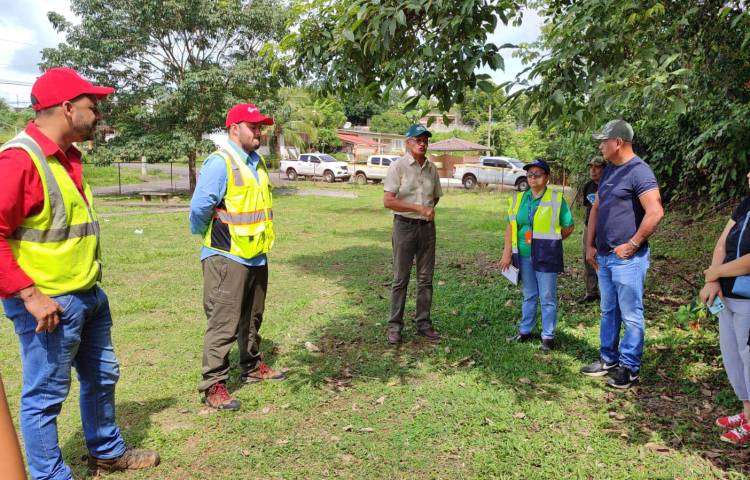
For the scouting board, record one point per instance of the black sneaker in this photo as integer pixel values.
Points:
(521, 337)
(622, 378)
(547, 344)
(597, 369)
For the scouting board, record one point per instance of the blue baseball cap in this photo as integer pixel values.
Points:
(416, 131)
(537, 163)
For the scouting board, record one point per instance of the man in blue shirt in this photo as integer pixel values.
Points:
(625, 214)
(230, 208)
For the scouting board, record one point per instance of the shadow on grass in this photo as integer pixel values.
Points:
(134, 420)
(469, 308)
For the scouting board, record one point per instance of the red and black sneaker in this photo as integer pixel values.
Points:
(739, 436)
(731, 421)
(263, 372)
(218, 397)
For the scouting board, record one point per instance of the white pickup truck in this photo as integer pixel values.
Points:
(316, 165)
(492, 170)
(374, 169)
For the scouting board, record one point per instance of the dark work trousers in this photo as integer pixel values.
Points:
(410, 241)
(589, 274)
(234, 298)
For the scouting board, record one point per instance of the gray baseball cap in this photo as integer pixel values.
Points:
(615, 129)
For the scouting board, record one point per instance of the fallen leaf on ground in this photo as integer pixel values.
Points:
(367, 430)
(245, 453)
(440, 283)
(509, 303)
(346, 458)
(524, 380)
(380, 400)
(311, 347)
(282, 442)
(285, 406)
(266, 410)
(711, 454)
(706, 392)
(519, 415)
(334, 438)
(392, 383)
(494, 382)
(183, 410)
(655, 447)
(454, 312)
(348, 428)
(488, 421)
(460, 362)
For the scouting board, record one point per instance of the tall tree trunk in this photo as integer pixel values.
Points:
(191, 170)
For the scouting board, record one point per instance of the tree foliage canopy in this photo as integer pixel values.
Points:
(433, 47)
(178, 65)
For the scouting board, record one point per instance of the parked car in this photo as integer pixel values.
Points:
(492, 171)
(373, 169)
(316, 165)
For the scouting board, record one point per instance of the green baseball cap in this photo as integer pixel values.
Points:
(615, 129)
(417, 130)
(597, 161)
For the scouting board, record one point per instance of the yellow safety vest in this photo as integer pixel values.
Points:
(58, 247)
(243, 221)
(546, 237)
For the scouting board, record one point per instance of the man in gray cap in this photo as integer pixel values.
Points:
(596, 167)
(626, 212)
(412, 190)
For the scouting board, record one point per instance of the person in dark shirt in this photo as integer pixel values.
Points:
(596, 167)
(625, 214)
(731, 259)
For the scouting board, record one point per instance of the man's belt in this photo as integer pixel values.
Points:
(417, 221)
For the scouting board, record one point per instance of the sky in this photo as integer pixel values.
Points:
(25, 31)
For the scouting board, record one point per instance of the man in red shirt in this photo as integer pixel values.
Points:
(49, 269)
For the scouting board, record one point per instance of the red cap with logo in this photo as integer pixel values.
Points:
(247, 112)
(60, 84)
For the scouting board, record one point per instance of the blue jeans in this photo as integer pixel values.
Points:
(83, 340)
(621, 284)
(542, 287)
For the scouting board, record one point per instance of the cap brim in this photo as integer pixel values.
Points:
(599, 136)
(100, 92)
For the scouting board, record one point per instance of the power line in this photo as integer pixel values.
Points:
(15, 82)
(20, 43)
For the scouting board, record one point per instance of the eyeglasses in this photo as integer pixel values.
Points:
(535, 175)
(420, 140)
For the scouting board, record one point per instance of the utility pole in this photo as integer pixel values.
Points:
(489, 130)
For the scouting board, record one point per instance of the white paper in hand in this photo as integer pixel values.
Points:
(511, 274)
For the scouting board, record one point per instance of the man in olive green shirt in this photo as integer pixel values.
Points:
(412, 190)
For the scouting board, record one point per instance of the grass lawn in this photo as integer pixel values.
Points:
(102, 176)
(474, 406)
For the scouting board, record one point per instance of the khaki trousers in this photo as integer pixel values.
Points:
(234, 297)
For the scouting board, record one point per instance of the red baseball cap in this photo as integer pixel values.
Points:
(247, 112)
(60, 84)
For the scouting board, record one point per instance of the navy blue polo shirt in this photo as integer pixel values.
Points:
(620, 212)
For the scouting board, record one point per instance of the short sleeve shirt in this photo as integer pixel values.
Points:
(734, 238)
(620, 212)
(522, 219)
(413, 183)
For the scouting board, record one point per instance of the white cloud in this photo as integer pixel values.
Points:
(24, 32)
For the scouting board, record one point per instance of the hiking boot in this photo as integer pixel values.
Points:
(429, 333)
(393, 337)
(598, 368)
(521, 337)
(622, 377)
(732, 421)
(132, 459)
(739, 436)
(219, 398)
(263, 372)
(588, 299)
(547, 344)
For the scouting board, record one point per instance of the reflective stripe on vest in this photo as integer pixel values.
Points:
(56, 234)
(245, 218)
(56, 204)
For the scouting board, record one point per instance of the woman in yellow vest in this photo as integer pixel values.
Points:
(538, 221)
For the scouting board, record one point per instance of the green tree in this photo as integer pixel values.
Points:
(178, 65)
(678, 71)
(432, 47)
(391, 121)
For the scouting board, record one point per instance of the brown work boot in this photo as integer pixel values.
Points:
(132, 459)
(263, 372)
(219, 398)
(429, 333)
(393, 336)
